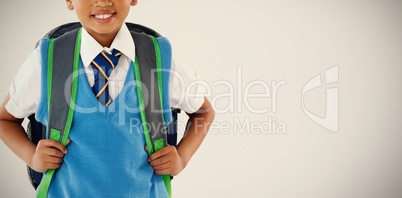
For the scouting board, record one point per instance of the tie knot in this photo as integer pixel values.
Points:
(106, 62)
(109, 59)
(116, 53)
(103, 65)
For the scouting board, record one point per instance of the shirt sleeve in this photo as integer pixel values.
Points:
(186, 88)
(25, 88)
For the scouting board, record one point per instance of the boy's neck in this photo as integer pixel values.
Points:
(105, 40)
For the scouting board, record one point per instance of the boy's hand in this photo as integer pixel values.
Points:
(48, 155)
(166, 161)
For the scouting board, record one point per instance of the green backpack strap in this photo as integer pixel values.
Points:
(149, 77)
(63, 53)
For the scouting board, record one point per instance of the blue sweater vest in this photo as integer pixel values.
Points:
(106, 156)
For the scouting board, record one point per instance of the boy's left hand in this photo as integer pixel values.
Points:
(166, 161)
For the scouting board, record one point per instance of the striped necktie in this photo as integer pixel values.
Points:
(103, 66)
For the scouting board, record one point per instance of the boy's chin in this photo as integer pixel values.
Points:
(104, 29)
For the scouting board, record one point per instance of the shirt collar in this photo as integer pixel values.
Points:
(123, 42)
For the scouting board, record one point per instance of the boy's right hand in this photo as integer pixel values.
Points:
(48, 155)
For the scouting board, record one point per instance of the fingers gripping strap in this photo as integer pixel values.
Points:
(63, 60)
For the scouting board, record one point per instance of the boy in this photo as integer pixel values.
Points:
(115, 163)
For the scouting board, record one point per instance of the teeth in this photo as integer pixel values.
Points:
(103, 16)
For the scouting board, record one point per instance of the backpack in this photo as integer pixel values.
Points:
(61, 112)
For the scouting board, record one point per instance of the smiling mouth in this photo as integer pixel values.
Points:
(103, 16)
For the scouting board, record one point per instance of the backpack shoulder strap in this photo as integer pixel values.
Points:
(146, 68)
(63, 60)
(166, 59)
(148, 77)
(62, 64)
(170, 117)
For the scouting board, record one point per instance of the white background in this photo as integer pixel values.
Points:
(271, 41)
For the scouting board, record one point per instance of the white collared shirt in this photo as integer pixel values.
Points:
(26, 87)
